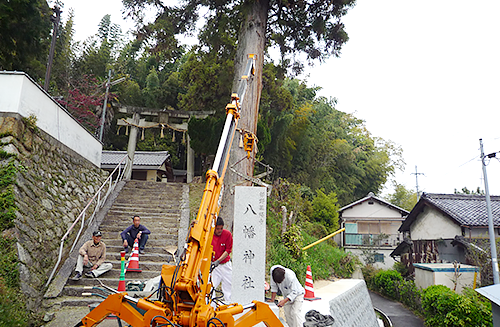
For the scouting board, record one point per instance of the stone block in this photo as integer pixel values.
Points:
(249, 244)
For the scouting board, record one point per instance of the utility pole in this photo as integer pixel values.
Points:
(416, 173)
(56, 21)
(104, 106)
(103, 118)
(491, 229)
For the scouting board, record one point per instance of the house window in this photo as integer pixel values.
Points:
(379, 257)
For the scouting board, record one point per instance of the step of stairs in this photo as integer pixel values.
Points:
(159, 206)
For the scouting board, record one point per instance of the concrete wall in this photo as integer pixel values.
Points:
(20, 94)
(432, 225)
(52, 185)
(428, 274)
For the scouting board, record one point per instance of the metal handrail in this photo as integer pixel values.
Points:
(100, 202)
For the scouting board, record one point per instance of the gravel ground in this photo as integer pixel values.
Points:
(70, 316)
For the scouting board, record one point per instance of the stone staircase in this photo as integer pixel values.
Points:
(160, 206)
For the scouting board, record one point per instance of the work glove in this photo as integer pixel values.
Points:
(214, 264)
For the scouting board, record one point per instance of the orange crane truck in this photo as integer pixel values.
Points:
(185, 290)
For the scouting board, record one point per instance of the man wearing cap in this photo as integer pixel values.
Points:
(286, 281)
(136, 230)
(92, 255)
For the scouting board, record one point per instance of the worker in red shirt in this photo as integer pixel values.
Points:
(222, 272)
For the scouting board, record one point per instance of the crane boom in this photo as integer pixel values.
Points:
(185, 288)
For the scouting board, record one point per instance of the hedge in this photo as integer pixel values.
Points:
(439, 305)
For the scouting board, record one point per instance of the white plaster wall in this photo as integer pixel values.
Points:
(375, 210)
(424, 278)
(388, 260)
(432, 225)
(19, 94)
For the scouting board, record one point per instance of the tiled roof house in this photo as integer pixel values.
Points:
(439, 222)
(148, 165)
(372, 222)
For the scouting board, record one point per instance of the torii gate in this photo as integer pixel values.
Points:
(135, 122)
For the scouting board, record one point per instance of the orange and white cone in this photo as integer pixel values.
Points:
(133, 261)
(309, 286)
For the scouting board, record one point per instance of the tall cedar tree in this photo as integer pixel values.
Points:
(312, 27)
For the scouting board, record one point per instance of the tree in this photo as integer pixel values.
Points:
(64, 56)
(25, 36)
(83, 100)
(402, 197)
(325, 210)
(99, 51)
(312, 27)
(465, 190)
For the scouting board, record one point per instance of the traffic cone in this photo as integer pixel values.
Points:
(309, 286)
(121, 283)
(133, 262)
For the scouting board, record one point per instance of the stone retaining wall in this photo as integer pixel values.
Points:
(52, 185)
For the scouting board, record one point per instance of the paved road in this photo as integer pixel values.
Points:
(399, 315)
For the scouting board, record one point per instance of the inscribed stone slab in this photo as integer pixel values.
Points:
(249, 244)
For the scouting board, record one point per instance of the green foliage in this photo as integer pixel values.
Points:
(25, 40)
(444, 307)
(465, 190)
(7, 200)
(385, 282)
(402, 197)
(400, 268)
(391, 284)
(480, 256)
(312, 27)
(207, 81)
(5, 154)
(325, 258)
(12, 309)
(408, 294)
(315, 145)
(440, 306)
(8, 262)
(30, 122)
(325, 210)
(293, 241)
(369, 273)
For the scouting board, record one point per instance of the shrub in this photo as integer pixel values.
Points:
(386, 281)
(444, 307)
(12, 309)
(369, 273)
(324, 259)
(400, 268)
(293, 241)
(408, 294)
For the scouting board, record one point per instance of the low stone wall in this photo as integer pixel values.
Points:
(51, 187)
(354, 307)
(347, 301)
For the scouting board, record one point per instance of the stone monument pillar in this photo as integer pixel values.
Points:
(249, 244)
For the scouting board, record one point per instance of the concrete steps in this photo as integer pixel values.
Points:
(160, 207)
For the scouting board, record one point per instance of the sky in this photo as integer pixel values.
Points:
(423, 74)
